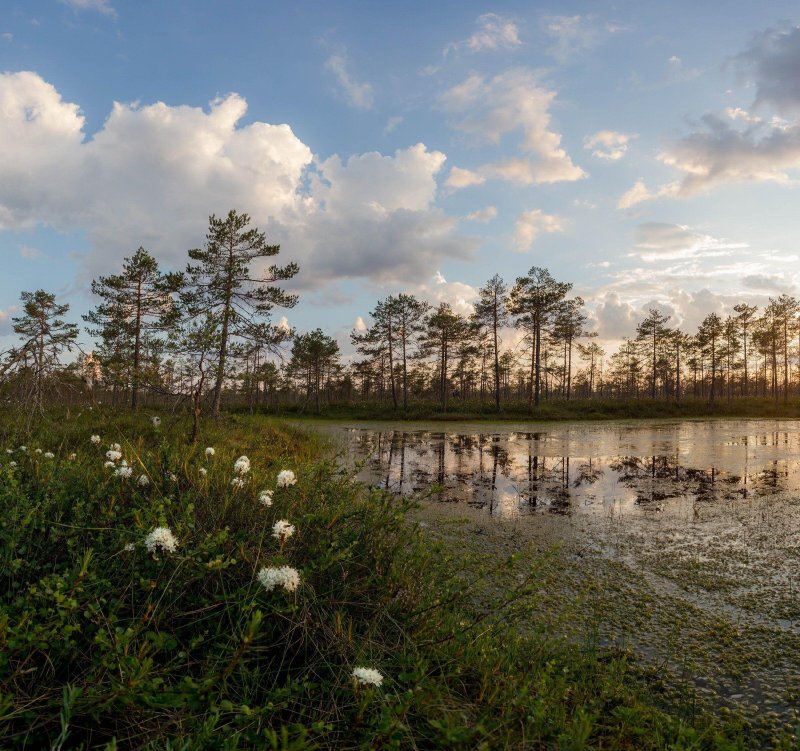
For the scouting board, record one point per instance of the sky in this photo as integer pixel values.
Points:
(646, 152)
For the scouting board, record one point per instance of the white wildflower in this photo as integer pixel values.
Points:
(109, 465)
(210, 452)
(203, 471)
(173, 477)
(23, 448)
(95, 439)
(9, 451)
(113, 455)
(161, 537)
(115, 447)
(367, 676)
(156, 422)
(285, 577)
(73, 456)
(286, 478)
(123, 472)
(237, 482)
(143, 480)
(265, 498)
(129, 548)
(12, 464)
(282, 530)
(38, 451)
(49, 455)
(242, 465)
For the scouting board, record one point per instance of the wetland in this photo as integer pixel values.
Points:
(675, 541)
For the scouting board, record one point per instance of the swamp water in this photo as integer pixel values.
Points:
(679, 540)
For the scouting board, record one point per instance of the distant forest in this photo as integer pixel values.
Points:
(203, 338)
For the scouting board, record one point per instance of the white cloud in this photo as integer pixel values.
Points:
(391, 124)
(656, 241)
(608, 144)
(359, 325)
(357, 94)
(153, 174)
(639, 193)
(458, 295)
(5, 319)
(462, 178)
(100, 6)
(722, 154)
(531, 224)
(494, 32)
(509, 102)
(483, 216)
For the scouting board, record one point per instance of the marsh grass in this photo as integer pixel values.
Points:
(107, 647)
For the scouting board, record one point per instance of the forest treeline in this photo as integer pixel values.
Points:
(203, 338)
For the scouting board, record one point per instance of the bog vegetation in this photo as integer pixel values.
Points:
(242, 593)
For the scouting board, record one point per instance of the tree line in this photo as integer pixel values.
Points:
(203, 338)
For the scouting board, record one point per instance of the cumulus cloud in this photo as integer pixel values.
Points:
(656, 241)
(772, 62)
(639, 193)
(99, 6)
(356, 93)
(458, 295)
(531, 224)
(153, 174)
(494, 32)
(721, 153)
(462, 178)
(512, 101)
(608, 144)
(483, 216)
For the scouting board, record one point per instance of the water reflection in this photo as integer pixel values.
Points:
(577, 469)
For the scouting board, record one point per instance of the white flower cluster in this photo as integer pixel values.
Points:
(123, 471)
(285, 577)
(161, 538)
(113, 455)
(210, 452)
(49, 455)
(203, 471)
(143, 481)
(242, 465)
(156, 422)
(95, 439)
(367, 676)
(265, 497)
(282, 530)
(237, 482)
(286, 478)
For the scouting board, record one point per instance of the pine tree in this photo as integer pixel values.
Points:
(136, 304)
(237, 298)
(491, 314)
(45, 335)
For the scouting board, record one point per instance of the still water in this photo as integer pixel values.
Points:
(583, 468)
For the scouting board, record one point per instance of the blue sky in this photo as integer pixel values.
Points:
(647, 152)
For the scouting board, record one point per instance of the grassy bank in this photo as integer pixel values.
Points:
(577, 409)
(111, 637)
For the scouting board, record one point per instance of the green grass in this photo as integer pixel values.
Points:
(107, 647)
(552, 410)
